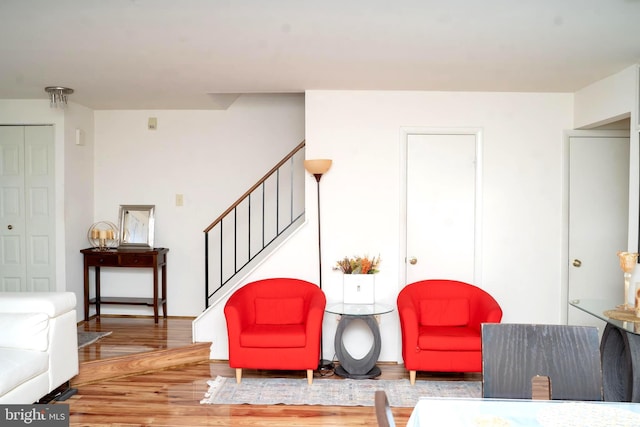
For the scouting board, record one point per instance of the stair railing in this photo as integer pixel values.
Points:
(262, 214)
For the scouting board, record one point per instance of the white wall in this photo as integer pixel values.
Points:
(522, 137)
(211, 157)
(609, 100)
(78, 201)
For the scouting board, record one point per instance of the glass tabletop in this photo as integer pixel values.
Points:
(454, 412)
(605, 309)
(359, 309)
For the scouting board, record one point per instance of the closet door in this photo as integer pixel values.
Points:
(598, 206)
(27, 222)
(442, 186)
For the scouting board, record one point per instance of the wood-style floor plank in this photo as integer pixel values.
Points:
(171, 397)
(131, 335)
(121, 366)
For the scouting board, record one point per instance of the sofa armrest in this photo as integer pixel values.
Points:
(238, 317)
(51, 303)
(410, 330)
(315, 315)
(409, 323)
(62, 334)
(409, 318)
(233, 316)
(63, 348)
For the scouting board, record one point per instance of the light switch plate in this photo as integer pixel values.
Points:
(79, 137)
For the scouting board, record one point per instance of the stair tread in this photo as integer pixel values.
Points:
(139, 363)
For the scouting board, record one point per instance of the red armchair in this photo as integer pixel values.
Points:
(275, 324)
(440, 322)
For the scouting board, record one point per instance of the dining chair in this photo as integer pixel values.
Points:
(383, 410)
(525, 361)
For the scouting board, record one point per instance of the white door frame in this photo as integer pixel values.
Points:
(405, 132)
(633, 237)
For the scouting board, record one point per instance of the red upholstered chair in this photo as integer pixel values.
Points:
(275, 324)
(440, 322)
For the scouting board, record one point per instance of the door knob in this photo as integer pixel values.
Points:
(10, 227)
(577, 263)
(413, 260)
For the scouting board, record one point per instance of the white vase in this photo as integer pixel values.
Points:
(358, 288)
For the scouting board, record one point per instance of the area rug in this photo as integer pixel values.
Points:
(86, 338)
(332, 392)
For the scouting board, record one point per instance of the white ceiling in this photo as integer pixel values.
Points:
(170, 54)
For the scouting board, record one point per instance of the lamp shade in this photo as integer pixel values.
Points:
(317, 166)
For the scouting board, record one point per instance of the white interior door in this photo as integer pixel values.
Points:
(27, 218)
(13, 268)
(441, 207)
(598, 219)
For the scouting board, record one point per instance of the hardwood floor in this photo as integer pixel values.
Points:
(171, 396)
(131, 335)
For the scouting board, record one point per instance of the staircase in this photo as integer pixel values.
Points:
(246, 234)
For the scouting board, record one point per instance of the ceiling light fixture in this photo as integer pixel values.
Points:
(58, 95)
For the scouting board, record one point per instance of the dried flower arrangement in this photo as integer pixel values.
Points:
(359, 265)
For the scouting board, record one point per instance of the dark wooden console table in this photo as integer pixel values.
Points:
(131, 258)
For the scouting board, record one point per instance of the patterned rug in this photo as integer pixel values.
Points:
(86, 338)
(332, 392)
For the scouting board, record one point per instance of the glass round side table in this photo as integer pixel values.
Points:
(350, 367)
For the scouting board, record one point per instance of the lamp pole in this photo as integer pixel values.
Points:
(317, 168)
(324, 365)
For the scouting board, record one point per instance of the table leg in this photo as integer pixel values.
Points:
(164, 289)
(97, 271)
(86, 290)
(634, 357)
(351, 367)
(155, 294)
(620, 352)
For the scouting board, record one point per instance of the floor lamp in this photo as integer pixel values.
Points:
(317, 168)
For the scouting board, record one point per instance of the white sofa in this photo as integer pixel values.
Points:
(38, 344)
